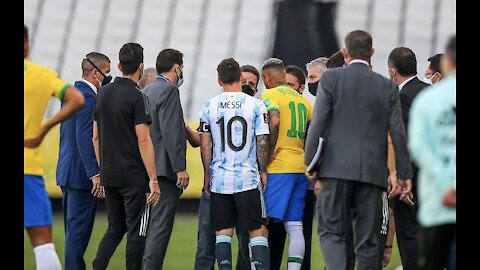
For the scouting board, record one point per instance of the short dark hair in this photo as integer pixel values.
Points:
(359, 44)
(130, 56)
(25, 33)
(98, 59)
(435, 62)
(251, 69)
(403, 60)
(336, 60)
(297, 72)
(167, 58)
(451, 50)
(229, 71)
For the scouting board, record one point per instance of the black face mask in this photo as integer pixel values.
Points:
(106, 79)
(247, 90)
(312, 88)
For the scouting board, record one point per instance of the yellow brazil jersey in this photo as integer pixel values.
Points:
(295, 113)
(39, 84)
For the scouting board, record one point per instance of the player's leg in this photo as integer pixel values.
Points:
(37, 218)
(251, 214)
(205, 256)
(277, 195)
(222, 212)
(293, 220)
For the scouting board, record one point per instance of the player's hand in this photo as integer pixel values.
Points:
(182, 179)
(263, 178)
(387, 255)
(316, 188)
(154, 195)
(37, 140)
(406, 194)
(311, 176)
(394, 188)
(97, 190)
(450, 198)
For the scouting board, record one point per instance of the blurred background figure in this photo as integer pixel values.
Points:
(149, 75)
(432, 144)
(304, 29)
(433, 74)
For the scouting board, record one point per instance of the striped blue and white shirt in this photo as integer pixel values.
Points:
(234, 119)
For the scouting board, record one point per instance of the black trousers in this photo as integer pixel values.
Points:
(125, 206)
(162, 217)
(277, 235)
(344, 203)
(435, 246)
(407, 230)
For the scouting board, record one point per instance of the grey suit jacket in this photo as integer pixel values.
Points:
(168, 128)
(354, 110)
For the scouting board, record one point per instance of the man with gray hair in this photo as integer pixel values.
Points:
(286, 185)
(315, 69)
(149, 74)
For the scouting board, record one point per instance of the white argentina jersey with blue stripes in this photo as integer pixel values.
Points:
(234, 120)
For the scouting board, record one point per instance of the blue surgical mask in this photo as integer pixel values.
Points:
(180, 79)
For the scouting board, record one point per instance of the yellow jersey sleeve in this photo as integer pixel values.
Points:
(54, 84)
(309, 111)
(270, 100)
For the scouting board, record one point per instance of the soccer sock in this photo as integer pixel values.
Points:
(223, 252)
(260, 253)
(296, 248)
(46, 257)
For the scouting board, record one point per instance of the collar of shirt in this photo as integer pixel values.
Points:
(91, 85)
(359, 61)
(165, 78)
(122, 80)
(400, 86)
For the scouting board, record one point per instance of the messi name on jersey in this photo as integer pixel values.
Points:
(236, 104)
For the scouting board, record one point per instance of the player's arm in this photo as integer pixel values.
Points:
(192, 136)
(206, 153)
(262, 157)
(274, 126)
(72, 101)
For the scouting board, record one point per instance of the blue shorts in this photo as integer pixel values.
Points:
(37, 208)
(285, 196)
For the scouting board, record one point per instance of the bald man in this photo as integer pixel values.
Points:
(289, 113)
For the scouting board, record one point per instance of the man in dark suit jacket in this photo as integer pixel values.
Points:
(354, 111)
(169, 140)
(77, 169)
(402, 68)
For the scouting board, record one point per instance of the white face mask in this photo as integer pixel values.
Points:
(429, 81)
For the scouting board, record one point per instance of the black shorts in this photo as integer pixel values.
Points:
(244, 210)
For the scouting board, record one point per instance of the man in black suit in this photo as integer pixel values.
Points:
(402, 68)
(354, 111)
